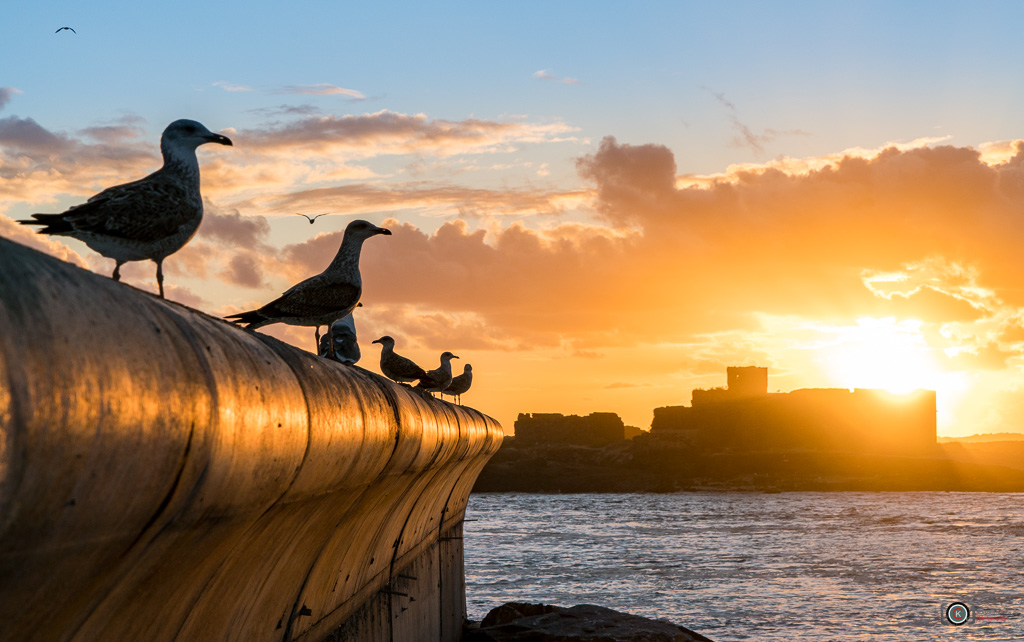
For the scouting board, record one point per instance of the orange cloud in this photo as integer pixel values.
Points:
(690, 276)
(691, 261)
(427, 199)
(38, 165)
(387, 132)
(10, 229)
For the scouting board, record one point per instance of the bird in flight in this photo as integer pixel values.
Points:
(150, 218)
(314, 218)
(66, 29)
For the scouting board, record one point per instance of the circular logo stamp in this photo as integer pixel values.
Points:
(957, 613)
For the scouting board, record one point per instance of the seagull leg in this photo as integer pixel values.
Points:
(317, 331)
(117, 271)
(160, 276)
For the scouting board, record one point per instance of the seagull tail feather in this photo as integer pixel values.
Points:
(54, 223)
(251, 319)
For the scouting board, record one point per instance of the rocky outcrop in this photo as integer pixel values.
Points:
(522, 622)
(656, 463)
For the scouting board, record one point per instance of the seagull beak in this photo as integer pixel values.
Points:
(217, 138)
(384, 231)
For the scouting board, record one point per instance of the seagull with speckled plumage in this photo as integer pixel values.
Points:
(321, 299)
(148, 219)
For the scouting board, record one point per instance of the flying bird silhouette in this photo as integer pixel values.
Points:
(67, 29)
(321, 299)
(314, 218)
(150, 218)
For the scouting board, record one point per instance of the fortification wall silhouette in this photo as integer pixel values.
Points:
(745, 416)
(165, 476)
(596, 429)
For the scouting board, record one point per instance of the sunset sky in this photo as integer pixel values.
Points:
(598, 205)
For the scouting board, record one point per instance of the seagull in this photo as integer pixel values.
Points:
(346, 349)
(314, 218)
(321, 299)
(150, 218)
(437, 380)
(66, 29)
(396, 367)
(459, 384)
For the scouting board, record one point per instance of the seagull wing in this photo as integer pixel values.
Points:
(315, 297)
(460, 384)
(143, 211)
(405, 366)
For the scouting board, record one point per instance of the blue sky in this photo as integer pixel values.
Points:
(479, 130)
(843, 74)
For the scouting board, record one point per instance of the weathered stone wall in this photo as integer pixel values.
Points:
(596, 429)
(165, 476)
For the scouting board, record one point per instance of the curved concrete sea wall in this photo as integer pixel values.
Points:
(165, 476)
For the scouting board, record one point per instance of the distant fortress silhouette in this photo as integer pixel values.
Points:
(745, 417)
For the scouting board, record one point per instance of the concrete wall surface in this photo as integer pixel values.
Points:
(166, 476)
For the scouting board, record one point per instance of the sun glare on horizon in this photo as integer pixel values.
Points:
(884, 354)
(894, 356)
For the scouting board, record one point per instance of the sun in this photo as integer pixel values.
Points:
(882, 353)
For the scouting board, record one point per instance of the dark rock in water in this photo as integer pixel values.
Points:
(522, 622)
(513, 611)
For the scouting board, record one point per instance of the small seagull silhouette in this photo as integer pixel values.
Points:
(66, 28)
(314, 218)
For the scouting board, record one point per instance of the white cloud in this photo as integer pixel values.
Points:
(545, 74)
(322, 89)
(228, 86)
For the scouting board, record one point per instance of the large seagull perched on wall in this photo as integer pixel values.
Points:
(150, 218)
(321, 299)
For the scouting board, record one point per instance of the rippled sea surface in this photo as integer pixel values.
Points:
(747, 566)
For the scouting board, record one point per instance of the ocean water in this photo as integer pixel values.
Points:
(750, 566)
